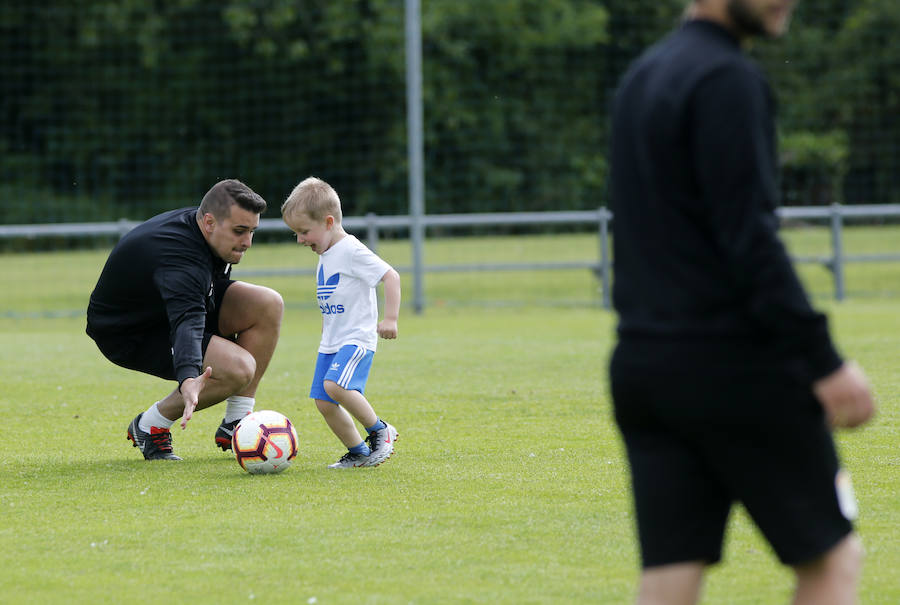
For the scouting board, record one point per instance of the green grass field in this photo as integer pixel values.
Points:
(508, 486)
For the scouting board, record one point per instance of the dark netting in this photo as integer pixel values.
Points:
(120, 109)
(115, 109)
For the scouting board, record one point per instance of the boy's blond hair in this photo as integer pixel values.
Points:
(313, 197)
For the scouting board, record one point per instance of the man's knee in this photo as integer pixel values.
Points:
(247, 306)
(271, 303)
(266, 308)
(839, 566)
(673, 584)
(846, 558)
(239, 371)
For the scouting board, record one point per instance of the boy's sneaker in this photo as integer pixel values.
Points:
(155, 445)
(382, 444)
(350, 460)
(224, 434)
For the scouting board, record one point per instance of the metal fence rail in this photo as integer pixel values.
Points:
(372, 225)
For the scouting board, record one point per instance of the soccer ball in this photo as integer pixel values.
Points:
(264, 442)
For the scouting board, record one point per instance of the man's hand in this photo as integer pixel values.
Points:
(846, 397)
(190, 392)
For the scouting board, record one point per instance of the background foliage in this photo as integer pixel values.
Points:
(122, 108)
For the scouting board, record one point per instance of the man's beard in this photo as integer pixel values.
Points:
(746, 21)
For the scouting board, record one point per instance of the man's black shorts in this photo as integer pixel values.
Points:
(700, 437)
(151, 351)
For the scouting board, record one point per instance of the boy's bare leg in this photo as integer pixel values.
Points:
(340, 422)
(353, 401)
(355, 405)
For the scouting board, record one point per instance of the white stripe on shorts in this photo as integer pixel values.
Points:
(352, 363)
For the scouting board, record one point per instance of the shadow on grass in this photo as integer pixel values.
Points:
(222, 467)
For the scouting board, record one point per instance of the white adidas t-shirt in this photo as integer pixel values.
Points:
(346, 278)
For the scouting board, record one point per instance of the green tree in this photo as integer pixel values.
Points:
(836, 76)
(512, 118)
(112, 108)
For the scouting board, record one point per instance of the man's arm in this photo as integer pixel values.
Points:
(183, 292)
(737, 177)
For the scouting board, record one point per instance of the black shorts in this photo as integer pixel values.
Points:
(700, 439)
(150, 351)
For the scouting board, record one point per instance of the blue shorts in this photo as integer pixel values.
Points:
(349, 368)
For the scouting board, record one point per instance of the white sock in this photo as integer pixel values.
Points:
(236, 407)
(152, 417)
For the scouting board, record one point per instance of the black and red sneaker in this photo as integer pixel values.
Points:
(155, 445)
(224, 434)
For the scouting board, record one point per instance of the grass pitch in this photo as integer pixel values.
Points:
(508, 485)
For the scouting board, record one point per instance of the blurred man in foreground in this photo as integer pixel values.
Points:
(725, 381)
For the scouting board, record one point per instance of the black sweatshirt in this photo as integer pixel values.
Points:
(698, 263)
(160, 277)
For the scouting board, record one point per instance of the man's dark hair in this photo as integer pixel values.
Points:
(222, 195)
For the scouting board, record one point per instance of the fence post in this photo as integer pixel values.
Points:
(123, 226)
(603, 216)
(837, 250)
(372, 232)
(415, 147)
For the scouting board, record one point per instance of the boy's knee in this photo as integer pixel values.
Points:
(333, 389)
(326, 408)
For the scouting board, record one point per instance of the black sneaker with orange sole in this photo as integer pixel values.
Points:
(155, 445)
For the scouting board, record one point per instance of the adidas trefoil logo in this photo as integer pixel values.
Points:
(326, 287)
(324, 290)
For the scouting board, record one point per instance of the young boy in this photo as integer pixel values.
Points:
(347, 275)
